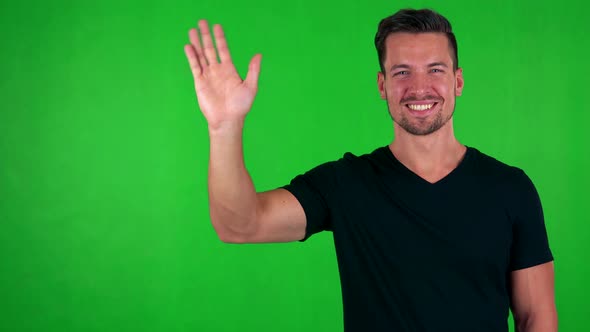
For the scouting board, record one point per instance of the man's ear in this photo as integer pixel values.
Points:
(381, 85)
(459, 81)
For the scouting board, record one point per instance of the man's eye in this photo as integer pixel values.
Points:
(436, 70)
(403, 72)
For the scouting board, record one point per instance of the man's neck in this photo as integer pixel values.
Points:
(432, 156)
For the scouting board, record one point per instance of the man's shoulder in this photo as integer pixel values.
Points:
(377, 155)
(348, 164)
(494, 169)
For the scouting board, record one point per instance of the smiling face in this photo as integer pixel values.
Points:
(419, 83)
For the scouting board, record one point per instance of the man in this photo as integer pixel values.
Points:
(430, 235)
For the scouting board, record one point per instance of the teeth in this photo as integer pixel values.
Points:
(420, 107)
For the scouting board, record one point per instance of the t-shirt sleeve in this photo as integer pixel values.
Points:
(313, 190)
(530, 245)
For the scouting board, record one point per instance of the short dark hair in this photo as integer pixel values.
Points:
(415, 21)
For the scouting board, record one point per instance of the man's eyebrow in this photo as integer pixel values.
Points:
(434, 64)
(394, 67)
(405, 66)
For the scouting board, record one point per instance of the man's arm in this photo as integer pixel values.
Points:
(533, 300)
(238, 213)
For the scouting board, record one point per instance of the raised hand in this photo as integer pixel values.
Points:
(222, 94)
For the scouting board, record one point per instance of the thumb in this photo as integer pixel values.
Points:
(253, 71)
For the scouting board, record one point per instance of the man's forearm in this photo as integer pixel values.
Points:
(232, 196)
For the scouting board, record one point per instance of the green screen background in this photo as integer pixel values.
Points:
(103, 152)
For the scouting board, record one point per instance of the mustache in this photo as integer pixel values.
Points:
(422, 98)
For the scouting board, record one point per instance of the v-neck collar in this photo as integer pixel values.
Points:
(415, 177)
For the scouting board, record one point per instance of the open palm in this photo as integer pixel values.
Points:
(222, 94)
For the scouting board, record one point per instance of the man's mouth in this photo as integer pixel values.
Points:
(421, 107)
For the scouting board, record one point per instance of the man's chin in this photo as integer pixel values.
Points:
(421, 129)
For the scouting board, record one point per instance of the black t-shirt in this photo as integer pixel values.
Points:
(416, 256)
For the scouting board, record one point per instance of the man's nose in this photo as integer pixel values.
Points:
(420, 84)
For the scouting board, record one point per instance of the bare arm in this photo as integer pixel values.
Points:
(238, 213)
(533, 299)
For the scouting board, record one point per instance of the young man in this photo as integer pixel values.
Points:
(430, 235)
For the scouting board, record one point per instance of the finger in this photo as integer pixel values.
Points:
(222, 48)
(253, 71)
(193, 60)
(193, 35)
(208, 48)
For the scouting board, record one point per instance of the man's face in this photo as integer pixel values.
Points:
(419, 83)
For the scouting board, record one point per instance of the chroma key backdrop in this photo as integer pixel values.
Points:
(104, 222)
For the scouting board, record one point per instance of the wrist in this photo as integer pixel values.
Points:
(227, 128)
